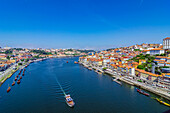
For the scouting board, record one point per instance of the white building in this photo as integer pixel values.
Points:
(156, 51)
(166, 43)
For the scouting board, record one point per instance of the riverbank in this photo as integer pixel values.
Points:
(9, 74)
(11, 71)
(132, 81)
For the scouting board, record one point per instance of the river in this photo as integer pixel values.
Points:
(39, 91)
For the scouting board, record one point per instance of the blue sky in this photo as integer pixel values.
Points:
(91, 24)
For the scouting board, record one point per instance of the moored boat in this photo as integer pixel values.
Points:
(9, 88)
(67, 61)
(69, 101)
(162, 102)
(23, 74)
(18, 82)
(13, 83)
(15, 78)
(76, 62)
(142, 92)
(20, 77)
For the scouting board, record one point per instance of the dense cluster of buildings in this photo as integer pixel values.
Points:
(132, 60)
(10, 56)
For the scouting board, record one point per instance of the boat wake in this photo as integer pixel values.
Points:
(61, 87)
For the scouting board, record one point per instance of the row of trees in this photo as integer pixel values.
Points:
(148, 65)
(42, 52)
(147, 57)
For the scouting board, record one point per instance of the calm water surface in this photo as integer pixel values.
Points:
(39, 91)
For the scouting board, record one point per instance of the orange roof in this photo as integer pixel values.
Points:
(135, 63)
(166, 38)
(143, 71)
(161, 47)
(161, 57)
(128, 67)
(145, 50)
(159, 60)
(2, 65)
(156, 49)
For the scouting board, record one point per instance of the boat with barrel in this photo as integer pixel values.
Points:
(162, 102)
(69, 101)
(9, 89)
(18, 82)
(142, 92)
(15, 78)
(13, 83)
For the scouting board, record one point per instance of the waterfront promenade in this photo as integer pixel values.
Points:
(132, 80)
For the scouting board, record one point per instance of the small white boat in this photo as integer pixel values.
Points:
(90, 68)
(69, 101)
(117, 81)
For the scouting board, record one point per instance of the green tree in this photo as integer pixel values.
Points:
(104, 68)
(136, 60)
(8, 51)
(8, 57)
(146, 69)
(19, 63)
(140, 67)
(26, 60)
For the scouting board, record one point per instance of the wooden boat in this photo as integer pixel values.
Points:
(142, 92)
(67, 61)
(13, 83)
(69, 101)
(18, 82)
(76, 62)
(23, 74)
(20, 77)
(9, 88)
(15, 78)
(162, 102)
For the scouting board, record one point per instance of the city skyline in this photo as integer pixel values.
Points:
(82, 24)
